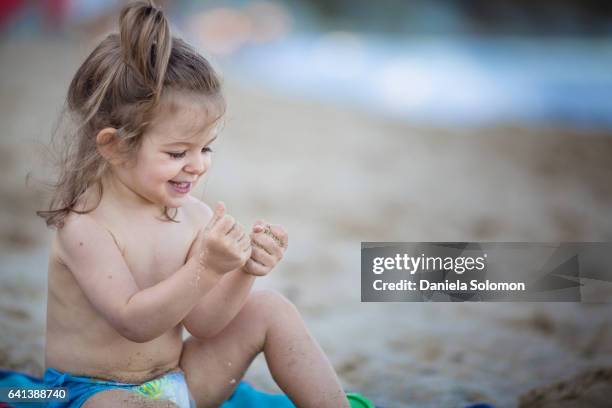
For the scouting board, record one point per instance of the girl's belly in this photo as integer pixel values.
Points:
(114, 357)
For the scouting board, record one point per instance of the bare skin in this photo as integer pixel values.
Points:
(100, 350)
(270, 323)
(124, 282)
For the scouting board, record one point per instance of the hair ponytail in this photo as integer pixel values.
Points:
(146, 43)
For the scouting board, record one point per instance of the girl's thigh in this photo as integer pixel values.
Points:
(124, 398)
(213, 367)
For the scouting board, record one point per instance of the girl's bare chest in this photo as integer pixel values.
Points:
(154, 253)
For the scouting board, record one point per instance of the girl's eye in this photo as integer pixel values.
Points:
(180, 155)
(177, 155)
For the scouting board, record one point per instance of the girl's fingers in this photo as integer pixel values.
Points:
(259, 226)
(267, 243)
(255, 268)
(218, 214)
(261, 256)
(245, 245)
(278, 232)
(225, 224)
(236, 232)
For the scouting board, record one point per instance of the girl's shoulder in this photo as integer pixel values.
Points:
(77, 229)
(197, 211)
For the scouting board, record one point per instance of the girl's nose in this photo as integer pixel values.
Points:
(197, 165)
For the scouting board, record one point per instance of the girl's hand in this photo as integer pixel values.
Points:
(222, 246)
(269, 243)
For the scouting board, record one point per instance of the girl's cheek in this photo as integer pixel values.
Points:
(173, 164)
(167, 170)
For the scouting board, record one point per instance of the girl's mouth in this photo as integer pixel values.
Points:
(182, 187)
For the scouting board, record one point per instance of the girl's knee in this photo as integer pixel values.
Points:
(268, 303)
(269, 298)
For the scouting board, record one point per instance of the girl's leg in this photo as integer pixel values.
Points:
(269, 323)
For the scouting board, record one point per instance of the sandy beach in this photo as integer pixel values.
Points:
(335, 177)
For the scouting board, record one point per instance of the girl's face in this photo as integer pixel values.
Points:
(175, 153)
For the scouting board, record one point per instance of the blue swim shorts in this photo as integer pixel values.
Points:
(170, 386)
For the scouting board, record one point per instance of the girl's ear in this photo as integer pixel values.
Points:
(106, 142)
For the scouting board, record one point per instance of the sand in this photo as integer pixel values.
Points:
(335, 177)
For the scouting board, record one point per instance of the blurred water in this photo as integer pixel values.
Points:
(445, 78)
(447, 82)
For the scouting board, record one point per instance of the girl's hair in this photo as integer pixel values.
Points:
(120, 85)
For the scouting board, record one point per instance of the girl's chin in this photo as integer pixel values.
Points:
(175, 202)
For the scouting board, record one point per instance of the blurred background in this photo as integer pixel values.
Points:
(354, 121)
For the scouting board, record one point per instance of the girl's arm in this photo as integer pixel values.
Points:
(224, 301)
(94, 259)
(220, 305)
(101, 272)
(151, 312)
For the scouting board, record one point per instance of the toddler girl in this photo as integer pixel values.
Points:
(136, 258)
